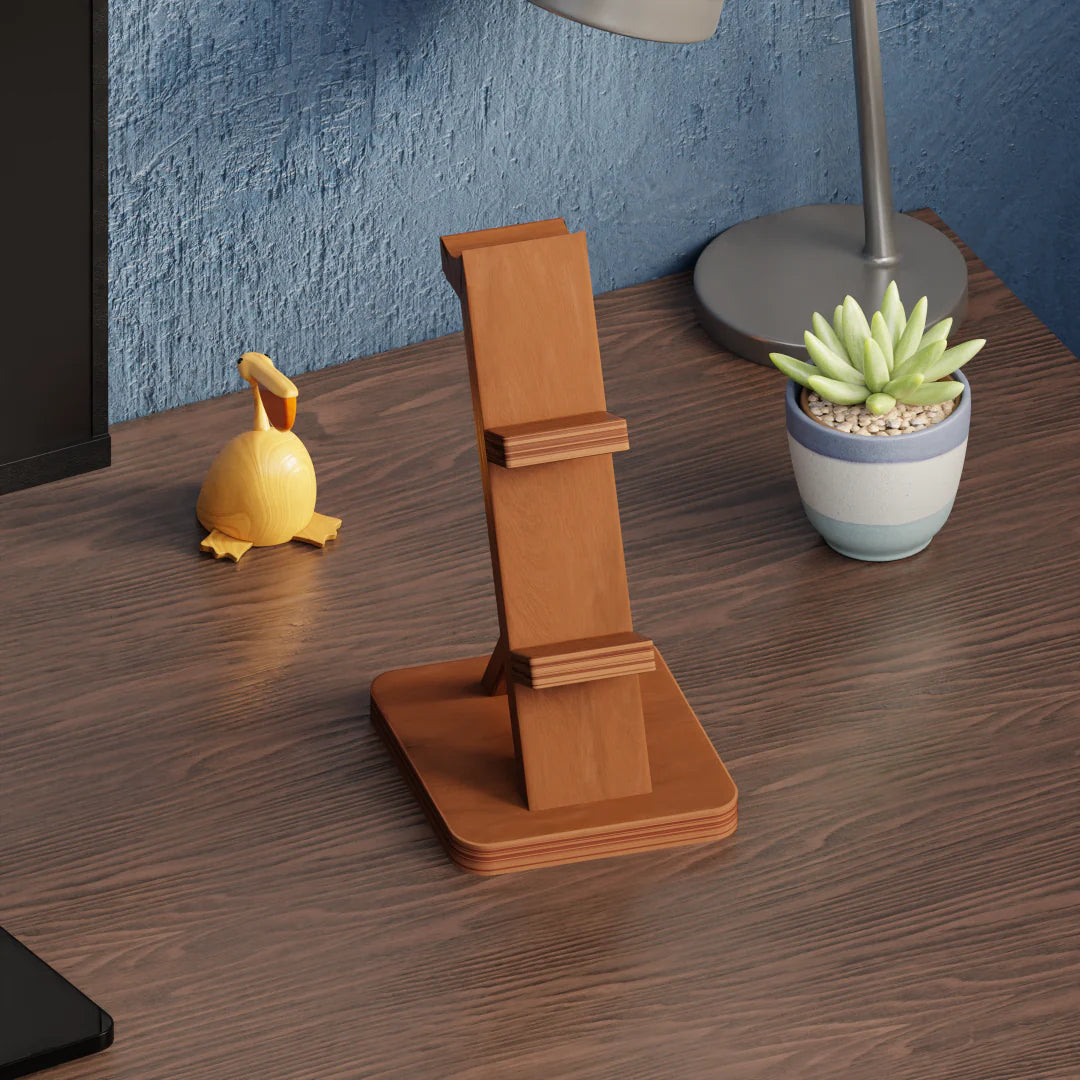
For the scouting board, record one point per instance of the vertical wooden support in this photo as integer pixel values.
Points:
(556, 543)
(494, 677)
(608, 755)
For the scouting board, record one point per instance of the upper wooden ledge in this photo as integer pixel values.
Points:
(542, 441)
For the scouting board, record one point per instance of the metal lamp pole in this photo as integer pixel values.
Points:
(880, 245)
(758, 283)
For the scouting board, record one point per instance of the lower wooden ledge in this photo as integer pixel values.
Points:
(454, 745)
(583, 660)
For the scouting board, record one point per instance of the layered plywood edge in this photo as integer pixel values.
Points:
(585, 660)
(591, 750)
(453, 743)
(544, 441)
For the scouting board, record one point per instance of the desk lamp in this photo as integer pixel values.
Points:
(757, 283)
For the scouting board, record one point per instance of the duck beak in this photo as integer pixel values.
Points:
(280, 411)
(277, 393)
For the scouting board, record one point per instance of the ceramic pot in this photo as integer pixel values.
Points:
(878, 498)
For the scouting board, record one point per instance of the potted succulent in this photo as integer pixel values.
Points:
(877, 427)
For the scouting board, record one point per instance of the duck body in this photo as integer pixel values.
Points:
(260, 488)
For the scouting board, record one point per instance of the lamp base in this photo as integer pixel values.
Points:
(758, 283)
(455, 745)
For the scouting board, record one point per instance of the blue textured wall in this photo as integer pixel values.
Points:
(280, 170)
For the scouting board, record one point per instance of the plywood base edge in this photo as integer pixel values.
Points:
(454, 747)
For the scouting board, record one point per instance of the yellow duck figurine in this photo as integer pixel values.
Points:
(260, 490)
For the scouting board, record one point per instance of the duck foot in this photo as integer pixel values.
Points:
(224, 547)
(318, 530)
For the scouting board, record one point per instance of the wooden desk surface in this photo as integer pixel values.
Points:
(198, 826)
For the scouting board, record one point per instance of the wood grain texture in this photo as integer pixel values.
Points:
(261, 487)
(455, 746)
(199, 827)
(452, 247)
(543, 441)
(556, 542)
(493, 680)
(567, 662)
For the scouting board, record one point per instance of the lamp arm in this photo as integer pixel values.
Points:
(880, 246)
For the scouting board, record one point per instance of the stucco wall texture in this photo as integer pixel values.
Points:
(280, 170)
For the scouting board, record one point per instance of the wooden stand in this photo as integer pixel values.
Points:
(590, 749)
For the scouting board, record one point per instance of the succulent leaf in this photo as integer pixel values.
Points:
(893, 358)
(841, 393)
(880, 404)
(879, 331)
(921, 361)
(954, 359)
(910, 339)
(938, 332)
(932, 393)
(856, 331)
(893, 312)
(829, 364)
(905, 384)
(875, 366)
(824, 331)
(794, 369)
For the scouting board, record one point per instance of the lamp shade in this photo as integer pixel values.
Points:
(655, 20)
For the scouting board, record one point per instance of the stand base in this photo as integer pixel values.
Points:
(758, 283)
(454, 745)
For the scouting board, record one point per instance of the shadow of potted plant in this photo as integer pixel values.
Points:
(878, 427)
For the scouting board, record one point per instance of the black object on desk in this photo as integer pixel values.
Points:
(53, 275)
(44, 1020)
